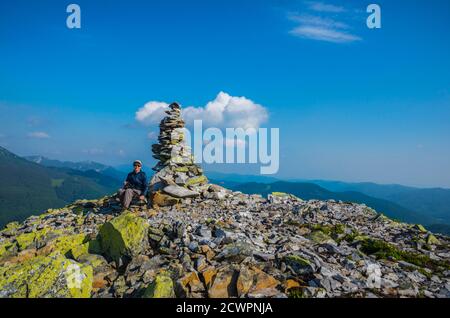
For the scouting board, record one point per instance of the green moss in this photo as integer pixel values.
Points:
(296, 293)
(161, 287)
(383, 250)
(297, 260)
(181, 169)
(319, 237)
(352, 236)
(330, 230)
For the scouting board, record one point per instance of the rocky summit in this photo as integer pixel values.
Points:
(234, 246)
(199, 240)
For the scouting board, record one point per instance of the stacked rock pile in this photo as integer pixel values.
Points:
(177, 176)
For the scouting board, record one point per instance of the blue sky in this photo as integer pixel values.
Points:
(351, 103)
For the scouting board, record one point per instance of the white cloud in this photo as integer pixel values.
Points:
(324, 7)
(151, 113)
(323, 34)
(223, 111)
(320, 27)
(307, 19)
(39, 135)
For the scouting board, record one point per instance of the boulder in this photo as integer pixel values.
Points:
(235, 252)
(162, 200)
(161, 287)
(224, 284)
(254, 281)
(124, 236)
(52, 276)
(299, 265)
(180, 192)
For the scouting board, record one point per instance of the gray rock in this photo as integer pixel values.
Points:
(180, 192)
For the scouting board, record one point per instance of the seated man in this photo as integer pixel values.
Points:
(134, 186)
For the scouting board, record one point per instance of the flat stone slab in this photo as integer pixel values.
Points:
(180, 192)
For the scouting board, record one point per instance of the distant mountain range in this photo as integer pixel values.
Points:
(29, 188)
(35, 183)
(80, 166)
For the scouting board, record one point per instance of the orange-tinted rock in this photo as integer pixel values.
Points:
(208, 275)
(245, 281)
(290, 283)
(207, 251)
(263, 281)
(161, 199)
(224, 284)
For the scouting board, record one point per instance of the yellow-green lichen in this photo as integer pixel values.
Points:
(5, 248)
(66, 243)
(197, 180)
(52, 276)
(319, 237)
(124, 235)
(161, 287)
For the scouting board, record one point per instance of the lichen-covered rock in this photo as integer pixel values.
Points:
(432, 240)
(239, 246)
(125, 235)
(161, 287)
(64, 243)
(224, 284)
(5, 248)
(420, 228)
(320, 237)
(299, 264)
(27, 240)
(52, 276)
(161, 199)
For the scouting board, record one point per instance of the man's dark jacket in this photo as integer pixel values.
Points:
(137, 181)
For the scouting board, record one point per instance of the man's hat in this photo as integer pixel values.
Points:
(137, 162)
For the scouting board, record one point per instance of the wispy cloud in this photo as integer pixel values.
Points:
(324, 34)
(318, 25)
(39, 135)
(308, 19)
(324, 7)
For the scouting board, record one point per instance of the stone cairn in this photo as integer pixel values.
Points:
(177, 177)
